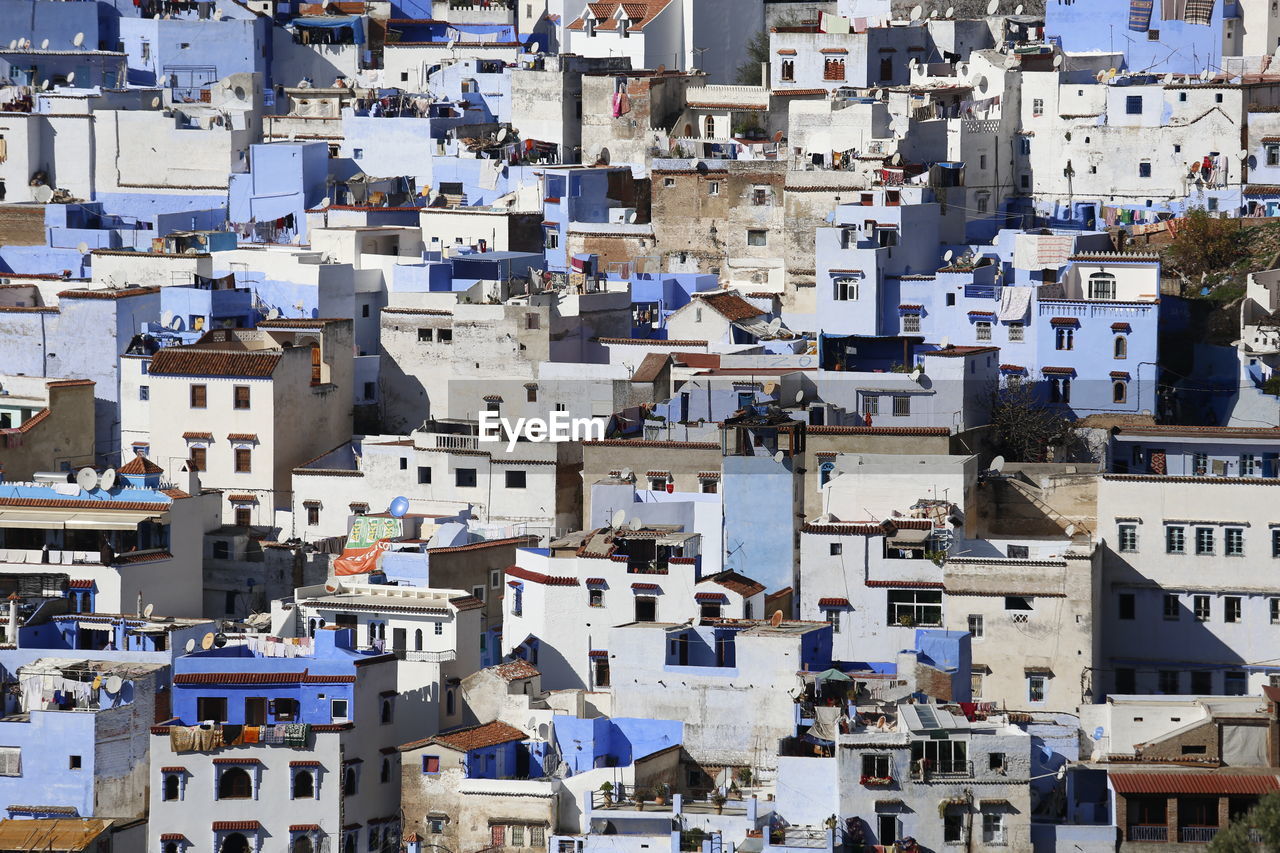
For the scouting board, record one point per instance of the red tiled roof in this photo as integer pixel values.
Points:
(1119, 374)
(140, 506)
(185, 361)
(833, 602)
(653, 342)
(112, 293)
(1013, 368)
(237, 761)
(242, 498)
(143, 557)
(172, 836)
(650, 367)
(538, 577)
(874, 430)
(242, 436)
(474, 737)
(906, 584)
(205, 436)
(596, 581)
(1121, 327)
(1214, 784)
(1064, 321)
(236, 826)
(709, 596)
(598, 653)
(982, 313)
(516, 670)
(295, 323)
(734, 582)
(174, 769)
(304, 763)
(80, 583)
(731, 306)
(681, 445)
(644, 586)
(140, 465)
(907, 307)
(304, 827)
(1066, 370)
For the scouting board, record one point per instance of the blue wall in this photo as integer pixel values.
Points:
(1103, 25)
(589, 743)
(759, 532)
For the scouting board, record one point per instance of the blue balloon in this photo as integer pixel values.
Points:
(399, 506)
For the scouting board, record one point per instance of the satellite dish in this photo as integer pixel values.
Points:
(42, 194)
(44, 84)
(1071, 530)
(166, 318)
(148, 610)
(981, 83)
(776, 619)
(82, 248)
(874, 93)
(778, 136)
(324, 204)
(635, 524)
(176, 324)
(206, 642)
(502, 134)
(916, 12)
(933, 14)
(948, 255)
(13, 44)
(219, 639)
(825, 518)
(951, 10)
(273, 314)
(71, 77)
(774, 325)
(619, 518)
(451, 43)
(78, 40)
(779, 456)
(662, 69)
(800, 396)
(627, 473)
(1018, 9)
(44, 45)
(114, 684)
(107, 480)
(155, 102)
(997, 464)
(1057, 61)
(1243, 155)
(896, 159)
(191, 646)
(87, 479)
(1168, 79)
(1204, 75)
(993, 6)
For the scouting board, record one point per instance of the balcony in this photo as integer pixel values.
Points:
(1148, 833)
(1197, 834)
(428, 657)
(942, 770)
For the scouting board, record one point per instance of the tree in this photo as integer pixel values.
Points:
(1203, 244)
(749, 72)
(1264, 819)
(1022, 428)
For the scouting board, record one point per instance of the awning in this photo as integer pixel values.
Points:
(28, 519)
(95, 626)
(107, 520)
(910, 538)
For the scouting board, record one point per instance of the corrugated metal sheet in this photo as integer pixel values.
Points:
(1216, 784)
(57, 836)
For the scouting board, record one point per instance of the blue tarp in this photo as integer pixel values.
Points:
(334, 22)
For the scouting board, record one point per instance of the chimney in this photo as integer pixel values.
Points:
(193, 479)
(13, 618)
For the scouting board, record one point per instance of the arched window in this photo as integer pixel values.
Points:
(788, 69)
(709, 125)
(1121, 347)
(234, 843)
(349, 782)
(235, 784)
(1119, 392)
(171, 847)
(172, 784)
(349, 844)
(1102, 285)
(448, 702)
(833, 69)
(386, 771)
(302, 844)
(386, 711)
(417, 640)
(304, 785)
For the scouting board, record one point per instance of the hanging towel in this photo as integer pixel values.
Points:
(181, 739)
(251, 734)
(232, 735)
(1199, 12)
(1140, 15)
(1173, 10)
(1014, 302)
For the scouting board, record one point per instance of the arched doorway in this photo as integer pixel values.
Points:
(235, 843)
(302, 844)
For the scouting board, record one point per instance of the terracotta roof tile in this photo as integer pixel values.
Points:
(731, 306)
(236, 826)
(516, 670)
(185, 361)
(488, 543)
(538, 577)
(140, 465)
(205, 436)
(1213, 784)
(833, 602)
(734, 582)
(71, 503)
(474, 737)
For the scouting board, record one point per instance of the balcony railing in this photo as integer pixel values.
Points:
(1148, 833)
(429, 657)
(943, 770)
(1197, 834)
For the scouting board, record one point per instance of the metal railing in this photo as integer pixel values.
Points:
(943, 770)
(1196, 834)
(1148, 833)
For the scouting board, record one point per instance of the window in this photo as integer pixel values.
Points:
(1102, 286)
(435, 825)
(465, 478)
(211, 709)
(1274, 605)
(1037, 107)
(1121, 348)
(538, 834)
(244, 460)
(1167, 681)
(1233, 542)
(1128, 538)
(975, 625)
(531, 393)
(952, 826)
(1248, 465)
(710, 487)
(424, 475)
(1204, 541)
(404, 463)
(1172, 608)
(668, 182)
(430, 764)
(757, 237)
(870, 404)
(595, 597)
(833, 69)
(515, 479)
(646, 608)
(901, 406)
(1273, 154)
(1200, 464)
(517, 835)
(229, 602)
(172, 787)
(760, 196)
(1234, 684)
(357, 153)
(338, 710)
(996, 762)
(832, 616)
(304, 785)
(1175, 541)
(837, 549)
(1133, 105)
(1119, 391)
(1126, 605)
(846, 289)
(1231, 607)
(1017, 332)
(975, 685)
(438, 628)
(887, 237)
(234, 783)
(993, 827)
(911, 607)
(144, 392)
(910, 322)
(788, 70)
(370, 390)
(240, 397)
(517, 600)
(1144, 169)
(1200, 607)
(199, 399)
(886, 829)
(1036, 686)
(1064, 338)
(349, 782)
(199, 459)
(424, 336)
(713, 188)
(984, 330)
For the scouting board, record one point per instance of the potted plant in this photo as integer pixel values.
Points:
(734, 792)
(607, 790)
(744, 776)
(718, 800)
(906, 620)
(642, 795)
(661, 793)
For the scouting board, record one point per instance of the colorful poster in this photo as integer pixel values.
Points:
(368, 539)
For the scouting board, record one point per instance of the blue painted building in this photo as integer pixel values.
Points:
(1179, 46)
(284, 179)
(582, 194)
